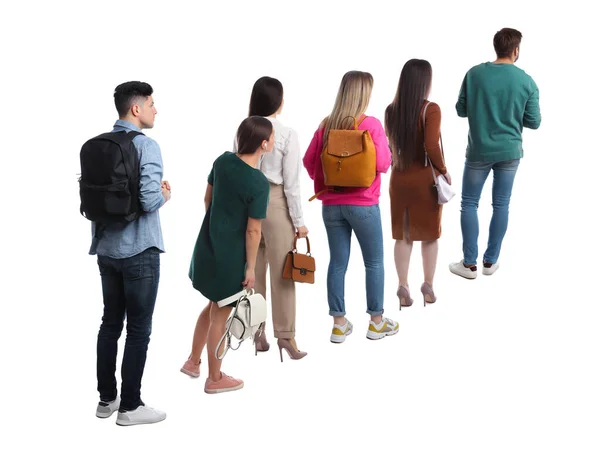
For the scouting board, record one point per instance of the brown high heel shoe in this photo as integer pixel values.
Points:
(260, 340)
(403, 295)
(428, 295)
(290, 348)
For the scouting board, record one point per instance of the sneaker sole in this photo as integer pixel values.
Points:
(224, 390)
(189, 373)
(379, 335)
(462, 275)
(134, 423)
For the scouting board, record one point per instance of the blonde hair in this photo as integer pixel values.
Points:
(352, 101)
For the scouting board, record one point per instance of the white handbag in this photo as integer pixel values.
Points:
(246, 317)
(445, 192)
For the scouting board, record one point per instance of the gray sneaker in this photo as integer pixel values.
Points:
(106, 409)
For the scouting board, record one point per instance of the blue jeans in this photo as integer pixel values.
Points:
(129, 287)
(474, 177)
(365, 221)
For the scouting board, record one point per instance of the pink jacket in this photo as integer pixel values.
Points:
(356, 196)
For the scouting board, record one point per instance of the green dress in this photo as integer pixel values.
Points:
(218, 265)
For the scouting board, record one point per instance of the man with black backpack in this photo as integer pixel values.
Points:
(121, 191)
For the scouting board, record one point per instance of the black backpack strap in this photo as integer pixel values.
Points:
(133, 134)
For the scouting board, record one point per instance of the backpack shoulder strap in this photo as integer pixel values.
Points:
(130, 135)
(361, 120)
(133, 134)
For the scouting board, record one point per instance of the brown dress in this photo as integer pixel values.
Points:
(412, 190)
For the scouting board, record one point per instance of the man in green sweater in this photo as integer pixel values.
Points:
(499, 99)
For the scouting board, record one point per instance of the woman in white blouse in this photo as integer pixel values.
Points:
(284, 217)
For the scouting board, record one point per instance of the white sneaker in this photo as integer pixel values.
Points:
(141, 415)
(488, 271)
(383, 329)
(106, 409)
(339, 333)
(459, 269)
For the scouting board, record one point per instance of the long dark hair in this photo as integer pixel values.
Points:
(403, 115)
(252, 132)
(266, 97)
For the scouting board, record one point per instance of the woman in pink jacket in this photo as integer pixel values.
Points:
(353, 209)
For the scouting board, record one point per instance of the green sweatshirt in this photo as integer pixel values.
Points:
(499, 100)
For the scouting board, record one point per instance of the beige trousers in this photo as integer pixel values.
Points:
(277, 240)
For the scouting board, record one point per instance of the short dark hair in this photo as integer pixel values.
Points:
(127, 93)
(505, 42)
(266, 97)
(251, 133)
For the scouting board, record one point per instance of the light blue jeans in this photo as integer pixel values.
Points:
(365, 221)
(474, 177)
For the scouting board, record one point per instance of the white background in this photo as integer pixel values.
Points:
(505, 361)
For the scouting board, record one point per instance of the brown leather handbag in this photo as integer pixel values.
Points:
(300, 267)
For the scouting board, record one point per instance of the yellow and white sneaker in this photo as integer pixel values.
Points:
(339, 333)
(383, 329)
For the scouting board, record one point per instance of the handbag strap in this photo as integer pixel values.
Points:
(233, 316)
(295, 250)
(356, 123)
(427, 158)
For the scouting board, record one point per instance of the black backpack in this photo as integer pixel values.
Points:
(110, 175)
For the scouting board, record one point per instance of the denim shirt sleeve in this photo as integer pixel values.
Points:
(151, 171)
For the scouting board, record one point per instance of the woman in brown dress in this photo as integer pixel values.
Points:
(413, 127)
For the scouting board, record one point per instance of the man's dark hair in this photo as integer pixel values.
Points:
(505, 42)
(129, 92)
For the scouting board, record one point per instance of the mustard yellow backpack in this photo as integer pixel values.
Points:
(349, 159)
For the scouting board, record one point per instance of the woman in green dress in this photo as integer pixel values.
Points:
(224, 259)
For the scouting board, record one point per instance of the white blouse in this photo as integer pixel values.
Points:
(282, 167)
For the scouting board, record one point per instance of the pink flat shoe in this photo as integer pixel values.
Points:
(190, 368)
(224, 384)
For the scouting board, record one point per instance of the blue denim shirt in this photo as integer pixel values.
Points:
(121, 241)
